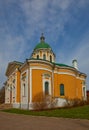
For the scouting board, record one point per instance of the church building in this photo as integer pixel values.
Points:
(41, 74)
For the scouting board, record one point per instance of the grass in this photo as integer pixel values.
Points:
(76, 112)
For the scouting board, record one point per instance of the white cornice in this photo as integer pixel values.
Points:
(65, 73)
(40, 61)
(53, 65)
(55, 72)
(39, 68)
(80, 78)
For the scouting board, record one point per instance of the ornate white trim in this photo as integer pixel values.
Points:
(80, 78)
(49, 81)
(67, 73)
(84, 93)
(39, 68)
(16, 87)
(30, 85)
(40, 61)
(24, 98)
(55, 72)
(53, 83)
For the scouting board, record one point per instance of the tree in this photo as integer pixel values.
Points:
(2, 95)
(41, 102)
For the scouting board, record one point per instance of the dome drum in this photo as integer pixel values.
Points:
(43, 51)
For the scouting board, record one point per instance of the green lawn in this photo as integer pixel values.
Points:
(76, 112)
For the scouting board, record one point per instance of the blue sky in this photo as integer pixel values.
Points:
(65, 24)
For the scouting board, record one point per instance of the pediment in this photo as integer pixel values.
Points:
(12, 67)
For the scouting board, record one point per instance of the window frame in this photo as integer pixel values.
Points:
(44, 56)
(46, 89)
(62, 90)
(50, 58)
(37, 57)
(24, 89)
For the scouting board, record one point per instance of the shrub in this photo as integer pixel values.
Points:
(2, 95)
(75, 102)
(42, 102)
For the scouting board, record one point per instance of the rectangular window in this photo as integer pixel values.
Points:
(61, 89)
(46, 88)
(24, 90)
(84, 92)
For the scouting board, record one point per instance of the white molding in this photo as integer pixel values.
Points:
(7, 95)
(30, 85)
(80, 78)
(40, 61)
(84, 97)
(66, 73)
(16, 86)
(49, 81)
(39, 68)
(24, 98)
(21, 95)
(52, 83)
(55, 72)
(23, 72)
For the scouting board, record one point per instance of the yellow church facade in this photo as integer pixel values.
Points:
(41, 74)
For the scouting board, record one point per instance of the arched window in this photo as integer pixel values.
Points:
(46, 88)
(84, 92)
(44, 57)
(50, 58)
(24, 90)
(61, 89)
(37, 56)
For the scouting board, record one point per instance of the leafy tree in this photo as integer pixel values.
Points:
(41, 102)
(2, 95)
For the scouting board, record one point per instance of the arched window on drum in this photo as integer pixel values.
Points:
(44, 57)
(37, 56)
(50, 58)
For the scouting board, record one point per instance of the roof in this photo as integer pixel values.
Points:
(63, 65)
(12, 65)
(58, 64)
(42, 45)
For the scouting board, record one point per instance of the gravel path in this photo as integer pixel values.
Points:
(10, 121)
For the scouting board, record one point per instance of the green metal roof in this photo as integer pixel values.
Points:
(42, 45)
(64, 65)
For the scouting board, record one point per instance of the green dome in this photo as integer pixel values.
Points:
(42, 45)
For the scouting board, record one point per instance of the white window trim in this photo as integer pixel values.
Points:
(49, 81)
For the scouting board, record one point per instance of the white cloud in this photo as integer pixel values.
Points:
(12, 48)
(81, 53)
(39, 16)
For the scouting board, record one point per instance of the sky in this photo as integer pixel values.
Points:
(65, 24)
